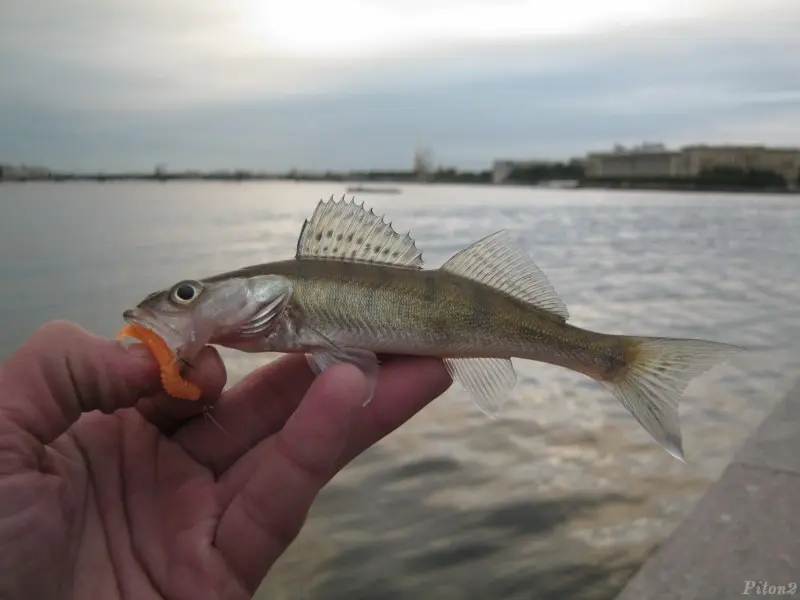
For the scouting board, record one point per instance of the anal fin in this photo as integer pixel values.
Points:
(321, 359)
(488, 381)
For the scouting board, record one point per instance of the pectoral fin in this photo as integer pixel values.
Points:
(366, 361)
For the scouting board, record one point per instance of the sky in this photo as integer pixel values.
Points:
(359, 84)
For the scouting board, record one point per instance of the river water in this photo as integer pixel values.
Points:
(564, 495)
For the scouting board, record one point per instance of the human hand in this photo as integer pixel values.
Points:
(110, 489)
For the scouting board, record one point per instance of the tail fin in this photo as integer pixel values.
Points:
(651, 384)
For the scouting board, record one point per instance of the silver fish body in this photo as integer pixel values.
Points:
(357, 289)
(395, 310)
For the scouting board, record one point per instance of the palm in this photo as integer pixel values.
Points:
(155, 507)
(158, 501)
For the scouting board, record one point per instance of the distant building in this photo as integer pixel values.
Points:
(703, 157)
(655, 160)
(647, 160)
(423, 163)
(783, 161)
(23, 172)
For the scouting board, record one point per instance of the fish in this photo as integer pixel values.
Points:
(356, 289)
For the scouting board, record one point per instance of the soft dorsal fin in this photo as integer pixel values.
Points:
(499, 262)
(347, 231)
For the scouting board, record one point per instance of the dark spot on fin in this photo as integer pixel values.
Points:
(361, 236)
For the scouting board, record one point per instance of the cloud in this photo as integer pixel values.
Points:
(116, 85)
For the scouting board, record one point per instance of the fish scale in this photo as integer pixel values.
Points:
(399, 309)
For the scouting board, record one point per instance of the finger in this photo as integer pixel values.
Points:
(62, 370)
(254, 408)
(251, 410)
(405, 387)
(168, 413)
(265, 517)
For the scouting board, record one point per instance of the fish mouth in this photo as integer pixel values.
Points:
(149, 320)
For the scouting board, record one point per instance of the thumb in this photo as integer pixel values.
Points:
(62, 370)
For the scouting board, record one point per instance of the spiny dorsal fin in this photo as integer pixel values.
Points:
(499, 262)
(347, 231)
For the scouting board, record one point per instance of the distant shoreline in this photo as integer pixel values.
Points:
(374, 180)
(474, 179)
(684, 187)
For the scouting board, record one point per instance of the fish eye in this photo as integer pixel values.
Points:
(185, 292)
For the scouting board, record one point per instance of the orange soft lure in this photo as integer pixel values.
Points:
(171, 379)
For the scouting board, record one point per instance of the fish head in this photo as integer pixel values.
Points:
(192, 313)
